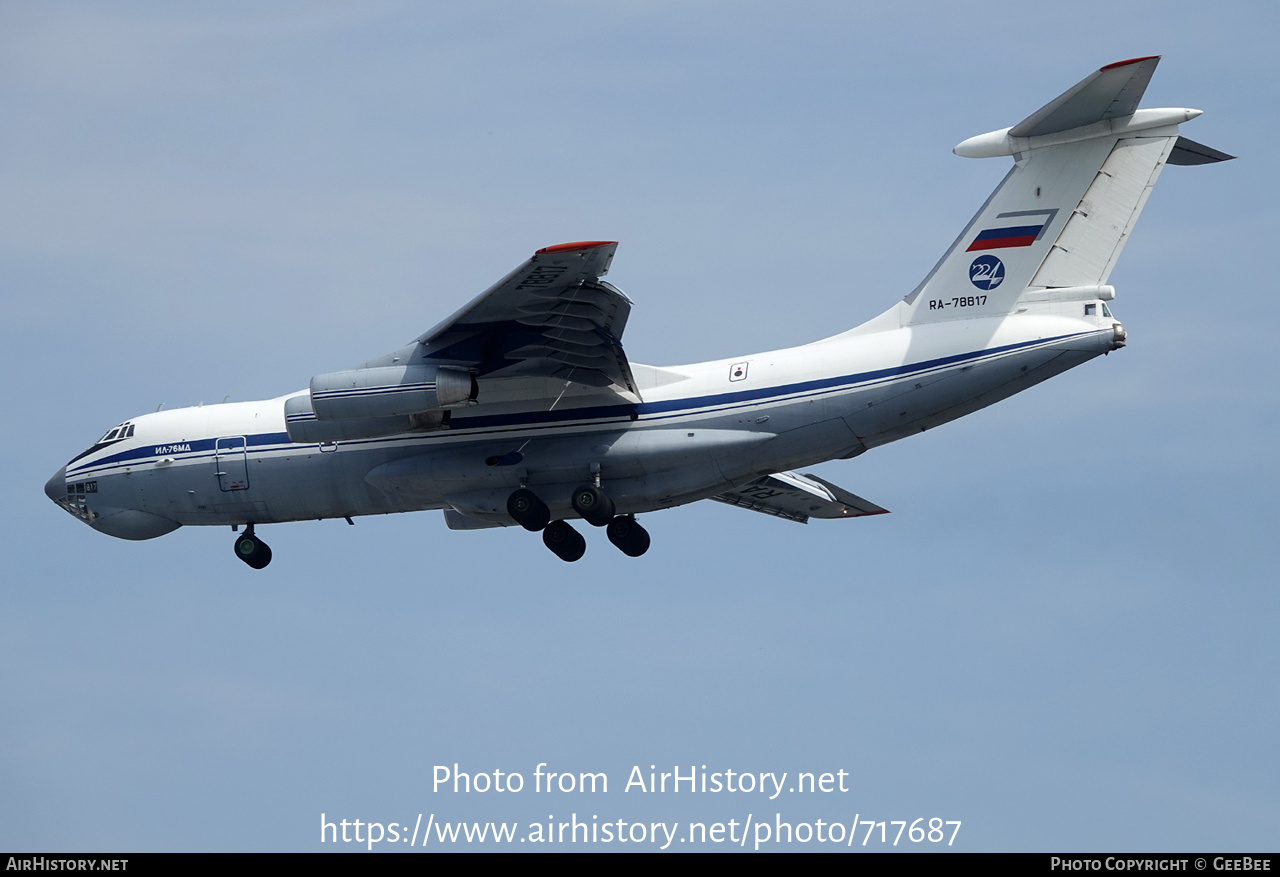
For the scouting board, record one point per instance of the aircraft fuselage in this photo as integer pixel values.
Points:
(709, 426)
(523, 409)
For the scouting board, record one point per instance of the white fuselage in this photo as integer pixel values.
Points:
(699, 430)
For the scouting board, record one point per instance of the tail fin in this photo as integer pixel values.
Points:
(1085, 164)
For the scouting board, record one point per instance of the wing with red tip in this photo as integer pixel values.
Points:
(552, 317)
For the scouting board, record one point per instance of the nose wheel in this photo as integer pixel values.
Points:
(252, 550)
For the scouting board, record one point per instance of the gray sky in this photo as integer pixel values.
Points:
(1063, 636)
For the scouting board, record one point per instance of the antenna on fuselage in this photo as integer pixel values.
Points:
(159, 407)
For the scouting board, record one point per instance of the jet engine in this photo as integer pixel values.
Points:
(373, 402)
(389, 391)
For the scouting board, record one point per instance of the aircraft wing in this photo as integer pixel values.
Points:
(798, 497)
(553, 317)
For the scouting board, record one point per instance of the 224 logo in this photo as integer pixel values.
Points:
(986, 272)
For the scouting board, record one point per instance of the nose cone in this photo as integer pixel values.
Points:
(56, 487)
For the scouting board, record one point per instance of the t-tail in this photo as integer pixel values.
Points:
(1084, 165)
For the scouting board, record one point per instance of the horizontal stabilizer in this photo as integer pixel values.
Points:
(798, 497)
(1085, 164)
(1110, 93)
(1187, 151)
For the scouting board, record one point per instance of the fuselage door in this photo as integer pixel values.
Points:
(231, 463)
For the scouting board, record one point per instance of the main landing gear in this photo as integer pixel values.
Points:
(626, 533)
(252, 550)
(565, 542)
(594, 506)
(529, 511)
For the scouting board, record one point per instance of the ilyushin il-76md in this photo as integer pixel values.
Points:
(523, 410)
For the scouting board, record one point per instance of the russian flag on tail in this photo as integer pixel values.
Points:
(1022, 229)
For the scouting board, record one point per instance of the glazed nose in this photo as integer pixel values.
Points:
(56, 487)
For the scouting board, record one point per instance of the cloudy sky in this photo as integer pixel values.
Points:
(1063, 636)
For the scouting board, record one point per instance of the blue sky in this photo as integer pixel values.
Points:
(1063, 636)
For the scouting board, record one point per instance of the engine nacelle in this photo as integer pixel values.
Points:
(303, 427)
(390, 391)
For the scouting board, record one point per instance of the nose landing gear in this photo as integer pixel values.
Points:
(252, 550)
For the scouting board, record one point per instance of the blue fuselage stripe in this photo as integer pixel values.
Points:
(709, 404)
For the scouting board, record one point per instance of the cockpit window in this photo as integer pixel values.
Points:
(115, 434)
(124, 430)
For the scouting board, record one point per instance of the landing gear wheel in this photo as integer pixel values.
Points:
(593, 504)
(253, 550)
(528, 511)
(564, 541)
(627, 534)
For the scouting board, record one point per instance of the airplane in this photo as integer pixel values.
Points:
(522, 408)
